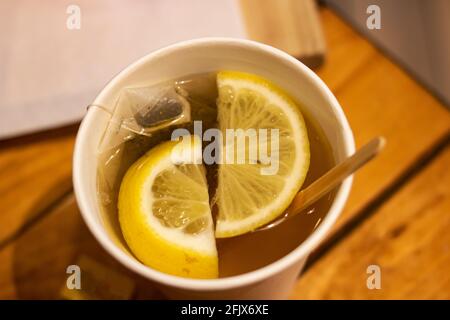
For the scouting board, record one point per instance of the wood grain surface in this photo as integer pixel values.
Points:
(407, 237)
(34, 265)
(379, 98)
(34, 172)
(290, 25)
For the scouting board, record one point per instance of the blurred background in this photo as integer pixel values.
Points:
(387, 61)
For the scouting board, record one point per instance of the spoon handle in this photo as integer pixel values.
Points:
(334, 176)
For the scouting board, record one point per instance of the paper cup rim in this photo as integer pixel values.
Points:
(244, 279)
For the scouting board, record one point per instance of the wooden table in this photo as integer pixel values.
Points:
(397, 217)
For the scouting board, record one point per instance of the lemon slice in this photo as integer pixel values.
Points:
(246, 198)
(164, 211)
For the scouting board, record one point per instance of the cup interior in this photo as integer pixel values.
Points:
(198, 56)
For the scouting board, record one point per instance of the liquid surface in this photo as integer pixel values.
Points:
(239, 254)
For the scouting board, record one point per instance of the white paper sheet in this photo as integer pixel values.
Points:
(49, 74)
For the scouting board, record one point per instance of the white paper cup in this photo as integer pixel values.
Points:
(273, 281)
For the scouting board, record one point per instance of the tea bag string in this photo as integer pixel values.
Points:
(121, 122)
(100, 107)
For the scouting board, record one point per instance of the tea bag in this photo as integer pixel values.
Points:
(201, 93)
(150, 109)
(143, 111)
(140, 119)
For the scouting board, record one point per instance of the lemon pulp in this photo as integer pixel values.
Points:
(164, 212)
(246, 198)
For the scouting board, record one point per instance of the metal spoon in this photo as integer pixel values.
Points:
(328, 181)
